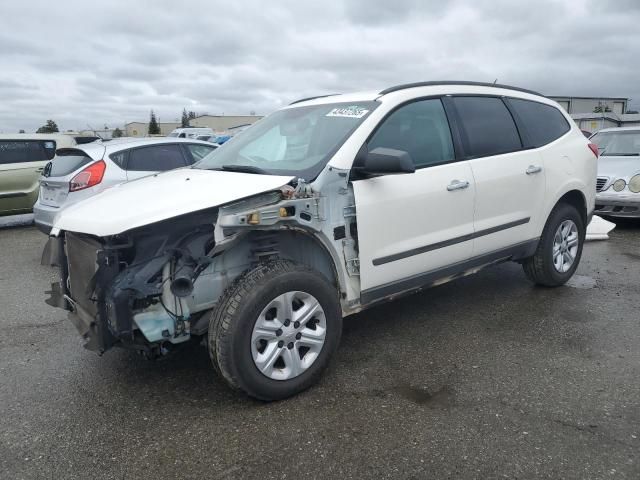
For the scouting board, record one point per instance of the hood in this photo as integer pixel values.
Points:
(159, 197)
(618, 167)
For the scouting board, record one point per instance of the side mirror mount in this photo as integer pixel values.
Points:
(384, 161)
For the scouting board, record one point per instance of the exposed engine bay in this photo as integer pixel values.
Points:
(150, 288)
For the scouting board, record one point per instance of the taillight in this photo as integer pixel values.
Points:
(90, 176)
(594, 148)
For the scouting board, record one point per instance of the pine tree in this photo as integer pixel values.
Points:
(185, 119)
(192, 115)
(154, 128)
(117, 133)
(49, 127)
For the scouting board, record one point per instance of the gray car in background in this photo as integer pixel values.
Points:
(618, 183)
(85, 170)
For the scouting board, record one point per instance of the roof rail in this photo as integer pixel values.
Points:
(454, 82)
(313, 98)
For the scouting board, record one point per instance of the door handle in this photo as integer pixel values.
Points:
(39, 169)
(457, 185)
(533, 169)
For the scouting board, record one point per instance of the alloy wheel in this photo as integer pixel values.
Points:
(565, 246)
(288, 335)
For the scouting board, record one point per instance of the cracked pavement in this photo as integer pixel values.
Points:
(484, 377)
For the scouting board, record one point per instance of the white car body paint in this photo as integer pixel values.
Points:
(407, 229)
(159, 197)
(599, 229)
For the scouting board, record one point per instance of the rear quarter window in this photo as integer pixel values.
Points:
(542, 123)
(197, 151)
(67, 161)
(21, 151)
(119, 158)
(487, 126)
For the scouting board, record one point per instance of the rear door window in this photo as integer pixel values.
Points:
(156, 158)
(487, 126)
(21, 151)
(542, 123)
(67, 161)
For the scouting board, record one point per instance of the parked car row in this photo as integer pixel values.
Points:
(79, 172)
(45, 173)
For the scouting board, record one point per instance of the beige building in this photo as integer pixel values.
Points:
(141, 129)
(222, 123)
(590, 104)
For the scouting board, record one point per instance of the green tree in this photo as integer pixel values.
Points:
(191, 115)
(185, 119)
(154, 128)
(117, 133)
(49, 127)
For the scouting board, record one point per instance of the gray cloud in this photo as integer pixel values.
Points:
(111, 62)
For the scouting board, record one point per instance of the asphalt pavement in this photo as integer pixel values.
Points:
(484, 377)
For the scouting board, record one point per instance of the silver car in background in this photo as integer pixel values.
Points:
(85, 170)
(618, 183)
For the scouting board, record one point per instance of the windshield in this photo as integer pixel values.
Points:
(623, 143)
(295, 141)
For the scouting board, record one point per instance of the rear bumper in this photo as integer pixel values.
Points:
(618, 205)
(43, 217)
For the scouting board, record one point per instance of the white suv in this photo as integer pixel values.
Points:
(324, 208)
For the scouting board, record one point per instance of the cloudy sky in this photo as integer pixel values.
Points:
(95, 63)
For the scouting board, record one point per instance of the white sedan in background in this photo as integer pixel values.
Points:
(618, 183)
(86, 170)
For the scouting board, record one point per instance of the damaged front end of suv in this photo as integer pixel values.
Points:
(254, 250)
(134, 289)
(151, 288)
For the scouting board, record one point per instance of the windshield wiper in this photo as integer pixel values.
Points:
(613, 154)
(244, 169)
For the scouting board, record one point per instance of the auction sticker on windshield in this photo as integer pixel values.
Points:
(352, 111)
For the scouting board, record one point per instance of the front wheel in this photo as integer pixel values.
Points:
(275, 330)
(560, 248)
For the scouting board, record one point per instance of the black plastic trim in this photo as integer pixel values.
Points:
(448, 243)
(313, 98)
(454, 82)
(423, 280)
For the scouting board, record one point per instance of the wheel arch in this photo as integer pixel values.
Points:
(571, 194)
(577, 199)
(302, 246)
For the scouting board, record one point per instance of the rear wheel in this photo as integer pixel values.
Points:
(560, 248)
(275, 330)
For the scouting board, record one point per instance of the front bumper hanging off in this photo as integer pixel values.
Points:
(86, 307)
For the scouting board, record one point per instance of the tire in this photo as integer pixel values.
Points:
(540, 268)
(259, 298)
